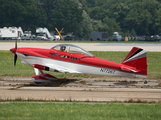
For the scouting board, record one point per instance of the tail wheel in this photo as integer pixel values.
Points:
(145, 82)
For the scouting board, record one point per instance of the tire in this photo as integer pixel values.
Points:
(145, 82)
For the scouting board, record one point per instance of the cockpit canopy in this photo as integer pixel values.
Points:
(71, 48)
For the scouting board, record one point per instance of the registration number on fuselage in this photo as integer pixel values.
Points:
(107, 71)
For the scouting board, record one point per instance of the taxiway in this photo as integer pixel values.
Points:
(83, 90)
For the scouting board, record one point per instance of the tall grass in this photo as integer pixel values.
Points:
(7, 68)
(79, 111)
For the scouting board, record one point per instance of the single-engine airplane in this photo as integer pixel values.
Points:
(68, 58)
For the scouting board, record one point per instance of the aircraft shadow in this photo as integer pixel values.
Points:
(57, 83)
(63, 82)
(126, 83)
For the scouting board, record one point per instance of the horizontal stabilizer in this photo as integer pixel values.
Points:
(124, 68)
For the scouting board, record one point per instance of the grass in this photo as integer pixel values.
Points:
(79, 111)
(7, 68)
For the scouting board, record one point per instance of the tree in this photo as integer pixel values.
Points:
(112, 26)
(90, 3)
(48, 6)
(157, 25)
(98, 13)
(11, 13)
(67, 15)
(85, 27)
(133, 33)
(24, 13)
(33, 18)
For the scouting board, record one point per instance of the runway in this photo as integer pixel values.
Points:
(81, 94)
(82, 90)
(87, 46)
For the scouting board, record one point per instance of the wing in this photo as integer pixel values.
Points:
(54, 68)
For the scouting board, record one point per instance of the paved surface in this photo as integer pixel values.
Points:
(81, 94)
(87, 46)
(89, 89)
(107, 82)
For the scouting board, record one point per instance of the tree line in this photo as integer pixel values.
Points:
(128, 17)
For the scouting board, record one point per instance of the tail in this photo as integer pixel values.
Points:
(136, 61)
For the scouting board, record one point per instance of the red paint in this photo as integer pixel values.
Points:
(138, 65)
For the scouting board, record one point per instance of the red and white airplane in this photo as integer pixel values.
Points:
(68, 58)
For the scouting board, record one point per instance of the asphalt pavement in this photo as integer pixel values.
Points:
(82, 90)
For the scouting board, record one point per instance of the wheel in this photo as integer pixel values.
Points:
(145, 82)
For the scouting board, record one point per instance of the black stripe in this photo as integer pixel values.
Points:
(27, 54)
(54, 54)
(65, 61)
(46, 68)
(136, 52)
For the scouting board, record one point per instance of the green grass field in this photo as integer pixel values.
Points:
(7, 68)
(79, 111)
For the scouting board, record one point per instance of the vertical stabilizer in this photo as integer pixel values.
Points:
(137, 59)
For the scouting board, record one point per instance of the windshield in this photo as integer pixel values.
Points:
(71, 48)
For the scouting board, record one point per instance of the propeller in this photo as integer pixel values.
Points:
(15, 57)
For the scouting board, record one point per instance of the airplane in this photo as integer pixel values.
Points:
(69, 58)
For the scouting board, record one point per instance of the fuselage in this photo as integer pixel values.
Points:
(70, 62)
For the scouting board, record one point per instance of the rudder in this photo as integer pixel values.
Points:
(137, 59)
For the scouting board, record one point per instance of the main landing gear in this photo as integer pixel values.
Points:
(43, 77)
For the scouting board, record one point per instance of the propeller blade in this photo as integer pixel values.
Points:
(15, 59)
(16, 44)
